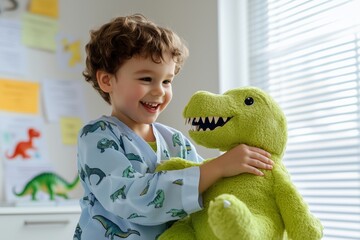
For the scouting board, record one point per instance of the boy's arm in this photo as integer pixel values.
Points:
(299, 222)
(238, 160)
(147, 199)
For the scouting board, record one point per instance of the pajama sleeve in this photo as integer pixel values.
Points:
(119, 181)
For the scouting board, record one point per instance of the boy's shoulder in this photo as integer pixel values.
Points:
(107, 120)
(99, 119)
(103, 123)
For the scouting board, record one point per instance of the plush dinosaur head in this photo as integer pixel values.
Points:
(245, 115)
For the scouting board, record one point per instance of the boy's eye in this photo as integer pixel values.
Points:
(146, 79)
(167, 81)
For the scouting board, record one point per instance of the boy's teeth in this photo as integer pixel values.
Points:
(151, 104)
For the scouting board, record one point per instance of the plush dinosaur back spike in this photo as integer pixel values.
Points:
(243, 207)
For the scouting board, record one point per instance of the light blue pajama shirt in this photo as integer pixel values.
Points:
(123, 197)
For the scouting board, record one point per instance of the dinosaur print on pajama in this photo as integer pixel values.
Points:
(123, 194)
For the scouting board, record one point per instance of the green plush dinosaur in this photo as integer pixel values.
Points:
(244, 207)
(47, 182)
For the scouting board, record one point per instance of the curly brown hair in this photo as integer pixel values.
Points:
(124, 37)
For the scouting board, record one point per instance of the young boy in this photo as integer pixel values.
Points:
(132, 62)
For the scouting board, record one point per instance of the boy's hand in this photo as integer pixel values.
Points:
(240, 159)
(244, 159)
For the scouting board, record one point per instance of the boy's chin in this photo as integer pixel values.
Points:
(148, 121)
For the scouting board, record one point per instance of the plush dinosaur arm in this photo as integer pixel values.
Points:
(175, 164)
(299, 222)
(180, 230)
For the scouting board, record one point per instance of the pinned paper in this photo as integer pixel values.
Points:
(19, 96)
(39, 32)
(45, 7)
(70, 127)
(63, 98)
(22, 138)
(12, 52)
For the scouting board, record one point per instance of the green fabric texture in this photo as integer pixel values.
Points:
(153, 146)
(244, 207)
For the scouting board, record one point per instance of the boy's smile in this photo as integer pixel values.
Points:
(151, 107)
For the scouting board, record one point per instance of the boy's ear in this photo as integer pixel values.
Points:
(104, 80)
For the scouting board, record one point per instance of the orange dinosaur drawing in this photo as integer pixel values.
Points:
(23, 146)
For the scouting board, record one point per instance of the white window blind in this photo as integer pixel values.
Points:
(306, 54)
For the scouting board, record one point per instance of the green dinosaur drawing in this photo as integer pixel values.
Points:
(93, 171)
(135, 215)
(117, 193)
(129, 172)
(88, 199)
(188, 148)
(159, 199)
(121, 141)
(82, 174)
(106, 143)
(133, 157)
(166, 153)
(146, 189)
(78, 232)
(177, 213)
(93, 127)
(47, 182)
(176, 139)
(112, 229)
(179, 182)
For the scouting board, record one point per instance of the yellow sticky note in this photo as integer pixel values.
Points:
(19, 96)
(39, 32)
(45, 7)
(70, 127)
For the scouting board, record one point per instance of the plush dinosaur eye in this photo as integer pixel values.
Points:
(249, 101)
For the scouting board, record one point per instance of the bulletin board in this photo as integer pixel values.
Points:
(42, 98)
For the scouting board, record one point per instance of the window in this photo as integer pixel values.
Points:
(306, 54)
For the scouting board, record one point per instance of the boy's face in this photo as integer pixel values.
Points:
(141, 90)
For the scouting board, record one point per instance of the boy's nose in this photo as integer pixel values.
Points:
(158, 90)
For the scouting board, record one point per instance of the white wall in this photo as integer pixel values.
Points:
(195, 21)
(233, 44)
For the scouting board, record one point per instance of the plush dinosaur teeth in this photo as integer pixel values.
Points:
(206, 123)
